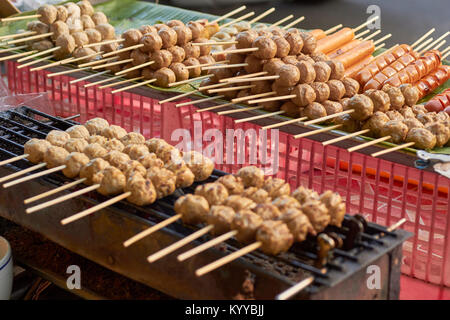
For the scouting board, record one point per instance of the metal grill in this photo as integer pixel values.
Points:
(363, 243)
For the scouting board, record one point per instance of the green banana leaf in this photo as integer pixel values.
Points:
(125, 14)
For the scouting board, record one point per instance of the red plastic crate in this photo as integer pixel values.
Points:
(382, 191)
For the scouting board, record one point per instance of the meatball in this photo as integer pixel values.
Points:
(220, 73)
(133, 167)
(193, 209)
(48, 13)
(380, 99)
(55, 156)
(42, 45)
(74, 162)
(289, 75)
(74, 25)
(147, 29)
(362, 105)
(184, 34)
(106, 30)
(197, 30)
(164, 77)
(323, 71)
(332, 107)
(246, 223)
(267, 48)
(61, 13)
(135, 151)
(261, 87)
(394, 115)
(314, 111)
(113, 181)
(36, 148)
(167, 153)
(221, 218)
(87, 22)
(337, 69)
(78, 131)
(395, 96)
(290, 60)
(275, 237)
(154, 144)
(251, 176)
(298, 224)
(99, 18)
(178, 54)
(95, 150)
(38, 27)
(295, 41)
(191, 51)
(73, 10)
(257, 195)
(335, 206)
(413, 123)
(114, 144)
(75, 145)
(57, 138)
(441, 131)
(132, 138)
(86, 7)
(245, 39)
(285, 202)
(117, 159)
(337, 90)
(168, 37)
(67, 45)
(150, 160)
(407, 112)
(317, 214)
(84, 52)
(151, 42)
(309, 43)
(376, 123)
(396, 129)
(305, 95)
(233, 184)
(184, 175)
(348, 123)
(132, 37)
(267, 211)
(351, 87)
(110, 47)
(239, 203)
(276, 187)
(163, 180)
(410, 93)
(422, 138)
(142, 190)
(254, 64)
(202, 167)
(193, 72)
(93, 171)
(307, 71)
(304, 57)
(283, 46)
(215, 193)
(321, 90)
(58, 28)
(97, 139)
(114, 131)
(302, 195)
(290, 109)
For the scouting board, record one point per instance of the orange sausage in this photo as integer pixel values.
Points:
(333, 54)
(335, 40)
(433, 80)
(349, 58)
(354, 69)
(318, 34)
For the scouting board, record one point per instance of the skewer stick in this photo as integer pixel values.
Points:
(179, 244)
(141, 235)
(292, 291)
(215, 107)
(368, 144)
(262, 15)
(101, 81)
(95, 62)
(431, 45)
(14, 159)
(362, 25)
(227, 66)
(293, 23)
(280, 124)
(39, 36)
(333, 29)
(57, 63)
(402, 146)
(52, 192)
(423, 44)
(50, 75)
(229, 14)
(290, 96)
(382, 39)
(239, 110)
(121, 82)
(206, 64)
(313, 132)
(331, 116)
(245, 76)
(435, 42)
(22, 172)
(440, 44)
(112, 64)
(17, 55)
(445, 56)
(445, 50)
(396, 225)
(89, 77)
(189, 80)
(32, 16)
(35, 61)
(231, 89)
(213, 43)
(205, 246)
(245, 16)
(90, 45)
(135, 68)
(38, 54)
(289, 17)
(261, 116)
(212, 86)
(112, 53)
(62, 199)
(227, 259)
(348, 136)
(12, 49)
(423, 37)
(134, 86)
(235, 51)
(18, 35)
(33, 176)
(359, 35)
(259, 95)
(235, 80)
(94, 209)
(198, 101)
(371, 36)
(380, 46)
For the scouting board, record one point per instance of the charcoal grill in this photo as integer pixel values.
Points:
(340, 274)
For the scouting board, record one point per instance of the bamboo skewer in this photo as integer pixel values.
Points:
(368, 144)
(290, 96)
(215, 107)
(134, 86)
(39, 36)
(38, 54)
(135, 68)
(205, 246)
(14, 159)
(331, 116)
(423, 37)
(101, 81)
(261, 116)
(371, 36)
(22, 172)
(259, 95)
(445, 55)
(112, 53)
(333, 29)
(227, 66)
(12, 49)
(94, 209)
(423, 44)
(51, 75)
(32, 16)
(313, 132)
(197, 101)
(293, 23)
(431, 45)
(231, 89)
(235, 51)
(292, 291)
(245, 16)
(380, 46)
(359, 35)
(348, 136)
(289, 17)
(62, 199)
(244, 76)
(189, 80)
(90, 45)
(35, 61)
(235, 80)
(115, 63)
(89, 77)
(229, 14)
(262, 15)
(206, 64)
(141, 235)
(362, 25)
(382, 39)
(66, 61)
(402, 146)
(121, 82)
(280, 124)
(180, 243)
(214, 43)
(18, 35)
(17, 55)
(96, 62)
(239, 110)
(52, 192)
(33, 176)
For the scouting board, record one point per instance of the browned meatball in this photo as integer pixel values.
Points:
(36, 148)
(67, 45)
(215, 193)
(335, 205)
(321, 90)
(221, 73)
(305, 95)
(152, 42)
(221, 218)
(62, 13)
(281, 90)
(191, 50)
(113, 131)
(180, 71)
(164, 77)
(298, 224)
(147, 73)
(178, 54)
(197, 30)
(422, 138)
(48, 13)
(290, 109)
(261, 87)
(110, 47)
(302, 195)
(163, 180)
(162, 59)
(323, 71)
(107, 31)
(42, 45)
(276, 187)
(376, 122)
(99, 18)
(380, 99)
(290, 60)
(351, 87)
(332, 107)
(271, 105)
(205, 50)
(184, 34)
(113, 181)
(410, 93)
(201, 166)
(257, 195)
(314, 111)
(348, 123)
(362, 105)
(305, 57)
(394, 115)
(395, 96)
(309, 43)
(251, 176)
(132, 37)
(254, 64)
(193, 209)
(307, 71)
(117, 159)
(142, 190)
(337, 90)
(275, 237)
(289, 75)
(283, 46)
(272, 66)
(295, 41)
(93, 35)
(93, 171)
(317, 213)
(396, 129)
(337, 69)
(74, 162)
(94, 150)
(168, 37)
(267, 211)
(147, 29)
(267, 48)
(138, 57)
(233, 184)
(58, 28)
(238, 203)
(246, 223)
(135, 151)
(75, 145)
(245, 39)
(193, 72)
(441, 131)
(413, 123)
(173, 23)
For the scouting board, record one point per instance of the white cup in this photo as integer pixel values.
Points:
(6, 269)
